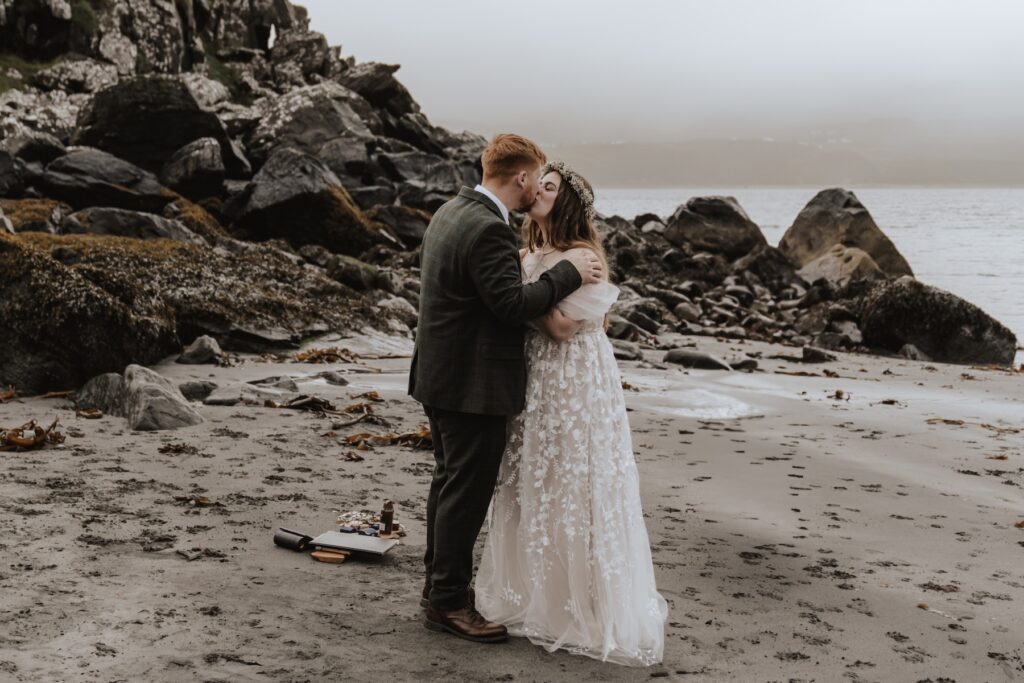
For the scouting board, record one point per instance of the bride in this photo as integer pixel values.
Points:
(567, 562)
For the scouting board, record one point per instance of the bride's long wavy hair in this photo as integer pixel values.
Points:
(568, 225)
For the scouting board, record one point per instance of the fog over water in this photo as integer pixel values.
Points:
(794, 92)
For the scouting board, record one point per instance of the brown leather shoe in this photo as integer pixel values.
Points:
(465, 623)
(425, 600)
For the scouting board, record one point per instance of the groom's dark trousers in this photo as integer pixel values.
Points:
(469, 372)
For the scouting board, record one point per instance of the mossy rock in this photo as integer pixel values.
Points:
(61, 328)
(34, 215)
(79, 305)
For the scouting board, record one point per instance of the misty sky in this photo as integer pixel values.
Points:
(568, 71)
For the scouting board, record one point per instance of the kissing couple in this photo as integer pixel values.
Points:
(523, 395)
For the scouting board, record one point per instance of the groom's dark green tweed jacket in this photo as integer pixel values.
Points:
(473, 306)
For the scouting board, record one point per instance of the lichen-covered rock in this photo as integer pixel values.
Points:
(297, 198)
(163, 36)
(77, 76)
(248, 23)
(208, 92)
(54, 112)
(308, 119)
(120, 51)
(940, 324)
(714, 224)
(836, 216)
(306, 51)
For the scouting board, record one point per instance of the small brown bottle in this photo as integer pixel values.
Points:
(387, 517)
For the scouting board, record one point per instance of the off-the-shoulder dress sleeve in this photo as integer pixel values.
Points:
(589, 302)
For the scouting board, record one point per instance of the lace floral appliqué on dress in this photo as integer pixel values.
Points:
(567, 562)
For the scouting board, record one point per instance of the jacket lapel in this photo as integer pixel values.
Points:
(475, 196)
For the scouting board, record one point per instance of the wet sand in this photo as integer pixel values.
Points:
(798, 534)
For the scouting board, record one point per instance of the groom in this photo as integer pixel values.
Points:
(468, 369)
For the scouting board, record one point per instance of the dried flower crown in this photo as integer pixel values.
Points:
(575, 181)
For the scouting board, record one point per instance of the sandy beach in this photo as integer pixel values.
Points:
(804, 528)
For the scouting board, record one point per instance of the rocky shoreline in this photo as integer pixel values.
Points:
(209, 232)
(239, 178)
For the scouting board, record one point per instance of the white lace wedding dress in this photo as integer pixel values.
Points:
(567, 562)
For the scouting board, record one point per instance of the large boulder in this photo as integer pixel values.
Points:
(103, 392)
(297, 198)
(940, 324)
(425, 181)
(415, 130)
(836, 216)
(125, 223)
(87, 177)
(249, 23)
(75, 306)
(839, 265)
(715, 224)
(60, 328)
(297, 54)
(204, 349)
(308, 119)
(152, 402)
(149, 401)
(33, 146)
(196, 170)
(162, 33)
(146, 119)
(377, 83)
(408, 224)
(209, 94)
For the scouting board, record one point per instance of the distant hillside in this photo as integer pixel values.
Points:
(770, 162)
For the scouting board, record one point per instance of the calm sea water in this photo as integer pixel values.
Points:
(966, 241)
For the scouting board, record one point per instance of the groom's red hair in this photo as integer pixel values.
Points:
(508, 154)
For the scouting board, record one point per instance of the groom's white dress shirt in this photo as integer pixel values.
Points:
(490, 195)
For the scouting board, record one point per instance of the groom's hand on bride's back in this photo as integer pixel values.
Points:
(587, 263)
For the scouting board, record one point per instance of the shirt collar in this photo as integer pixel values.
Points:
(490, 195)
